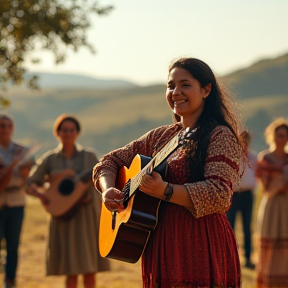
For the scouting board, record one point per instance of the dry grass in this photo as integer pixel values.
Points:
(31, 271)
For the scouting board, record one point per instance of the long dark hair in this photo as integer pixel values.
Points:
(218, 110)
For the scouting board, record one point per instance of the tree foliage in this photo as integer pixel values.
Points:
(53, 25)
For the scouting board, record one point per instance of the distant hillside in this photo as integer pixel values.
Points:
(49, 80)
(113, 117)
(266, 77)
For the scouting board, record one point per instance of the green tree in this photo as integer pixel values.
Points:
(53, 25)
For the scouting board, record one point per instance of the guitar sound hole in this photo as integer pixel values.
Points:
(66, 187)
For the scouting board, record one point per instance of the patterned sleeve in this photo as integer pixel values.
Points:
(222, 167)
(145, 145)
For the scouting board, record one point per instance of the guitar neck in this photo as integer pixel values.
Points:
(156, 160)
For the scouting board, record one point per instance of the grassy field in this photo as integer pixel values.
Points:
(31, 271)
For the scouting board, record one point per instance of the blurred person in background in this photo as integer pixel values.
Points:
(272, 170)
(243, 198)
(13, 175)
(73, 241)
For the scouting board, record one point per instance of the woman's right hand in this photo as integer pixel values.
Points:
(113, 199)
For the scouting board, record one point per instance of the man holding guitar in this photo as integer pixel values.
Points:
(176, 215)
(12, 194)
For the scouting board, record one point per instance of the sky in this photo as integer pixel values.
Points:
(139, 39)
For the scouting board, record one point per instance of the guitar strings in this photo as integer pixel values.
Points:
(135, 181)
(160, 156)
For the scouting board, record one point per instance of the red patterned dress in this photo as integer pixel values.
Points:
(189, 248)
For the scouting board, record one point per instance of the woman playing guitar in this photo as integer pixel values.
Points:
(193, 244)
(72, 247)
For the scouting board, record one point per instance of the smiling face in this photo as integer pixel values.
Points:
(185, 95)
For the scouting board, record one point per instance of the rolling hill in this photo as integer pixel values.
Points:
(113, 116)
(71, 81)
(265, 77)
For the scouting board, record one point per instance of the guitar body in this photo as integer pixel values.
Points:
(24, 159)
(63, 193)
(132, 227)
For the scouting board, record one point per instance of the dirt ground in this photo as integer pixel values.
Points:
(31, 269)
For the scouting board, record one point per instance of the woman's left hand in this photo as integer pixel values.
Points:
(153, 185)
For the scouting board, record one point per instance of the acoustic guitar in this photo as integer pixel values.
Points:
(7, 174)
(65, 191)
(123, 236)
(24, 159)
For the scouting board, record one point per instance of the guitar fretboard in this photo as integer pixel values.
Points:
(132, 185)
